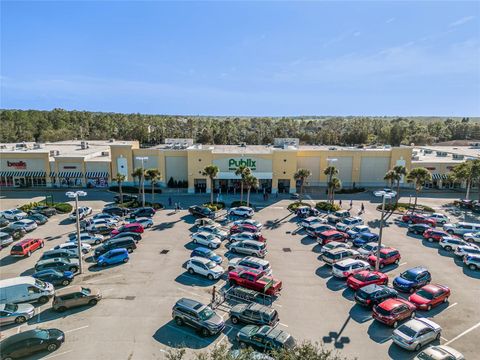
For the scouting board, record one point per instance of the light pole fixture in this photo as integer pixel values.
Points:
(142, 159)
(384, 195)
(75, 195)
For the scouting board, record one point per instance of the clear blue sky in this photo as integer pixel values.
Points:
(243, 58)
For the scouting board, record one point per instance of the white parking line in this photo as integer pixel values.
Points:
(58, 354)
(404, 263)
(454, 304)
(275, 304)
(18, 329)
(463, 333)
(80, 328)
(441, 337)
(105, 278)
(283, 324)
(39, 312)
(225, 336)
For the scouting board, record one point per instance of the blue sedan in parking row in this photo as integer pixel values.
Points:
(55, 277)
(206, 253)
(365, 238)
(412, 279)
(112, 257)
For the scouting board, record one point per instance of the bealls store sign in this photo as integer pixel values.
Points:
(234, 164)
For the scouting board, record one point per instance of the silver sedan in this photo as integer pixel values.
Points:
(15, 313)
(416, 333)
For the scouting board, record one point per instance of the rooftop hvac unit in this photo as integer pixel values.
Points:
(416, 158)
(54, 152)
(441, 153)
(111, 140)
(105, 153)
(458, 157)
(37, 146)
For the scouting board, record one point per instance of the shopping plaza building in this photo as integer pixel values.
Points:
(181, 161)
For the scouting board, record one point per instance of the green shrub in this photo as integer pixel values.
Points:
(215, 206)
(63, 207)
(326, 206)
(350, 191)
(29, 206)
(295, 205)
(128, 189)
(404, 207)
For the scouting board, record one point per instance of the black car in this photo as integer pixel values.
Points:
(125, 198)
(126, 243)
(373, 294)
(14, 233)
(201, 211)
(59, 253)
(143, 212)
(30, 342)
(418, 228)
(115, 210)
(44, 210)
(3, 222)
(136, 236)
(55, 277)
(38, 218)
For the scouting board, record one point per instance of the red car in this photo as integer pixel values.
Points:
(391, 311)
(332, 235)
(429, 296)
(418, 219)
(132, 227)
(366, 277)
(255, 280)
(434, 235)
(26, 247)
(388, 256)
(243, 228)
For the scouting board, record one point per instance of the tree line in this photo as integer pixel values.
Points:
(58, 124)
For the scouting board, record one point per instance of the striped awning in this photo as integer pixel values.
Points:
(23, 173)
(70, 174)
(96, 174)
(439, 176)
(52, 174)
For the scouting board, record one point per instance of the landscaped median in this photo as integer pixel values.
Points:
(402, 208)
(60, 207)
(321, 206)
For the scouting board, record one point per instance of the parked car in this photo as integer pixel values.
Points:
(25, 289)
(206, 221)
(3, 222)
(143, 212)
(369, 249)
(14, 233)
(343, 269)
(418, 219)
(24, 224)
(315, 230)
(59, 253)
(472, 237)
(331, 235)
(127, 234)
(14, 214)
(306, 211)
(412, 279)
(434, 235)
(462, 251)
(103, 216)
(83, 212)
(416, 333)
(256, 280)
(253, 314)
(74, 247)
(357, 230)
(439, 218)
(348, 223)
(218, 232)
(44, 210)
(250, 262)
(112, 257)
(334, 245)
(125, 198)
(309, 221)
(101, 229)
(26, 247)
(429, 296)
(59, 264)
(201, 211)
(86, 238)
(365, 238)
(38, 218)
(472, 261)
(449, 243)
(235, 229)
(5, 239)
(439, 352)
(335, 255)
(207, 239)
(146, 222)
(206, 253)
(373, 294)
(366, 277)
(418, 229)
(388, 256)
(392, 311)
(55, 277)
(30, 342)
(243, 211)
(251, 222)
(127, 243)
(205, 267)
(75, 296)
(246, 236)
(338, 216)
(198, 316)
(115, 210)
(248, 247)
(91, 224)
(264, 338)
(461, 228)
(16, 313)
(132, 227)
(387, 191)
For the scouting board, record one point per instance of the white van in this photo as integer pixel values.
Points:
(25, 289)
(461, 228)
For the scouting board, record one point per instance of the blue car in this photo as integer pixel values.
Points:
(112, 257)
(55, 277)
(412, 279)
(207, 254)
(365, 238)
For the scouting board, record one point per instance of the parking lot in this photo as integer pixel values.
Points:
(133, 320)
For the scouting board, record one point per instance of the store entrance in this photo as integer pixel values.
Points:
(19, 181)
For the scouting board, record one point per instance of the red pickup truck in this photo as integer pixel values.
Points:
(255, 280)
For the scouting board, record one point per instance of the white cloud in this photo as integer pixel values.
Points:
(461, 21)
(388, 21)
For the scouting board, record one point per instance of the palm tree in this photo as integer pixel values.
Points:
(390, 177)
(330, 171)
(334, 184)
(138, 172)
(119, 179)
(242, 171)
(400, 172)
(476, 174)
(211, 171)
(250, 182)
(418, 177)
(301, 175)
(463, 172)
(154, 176)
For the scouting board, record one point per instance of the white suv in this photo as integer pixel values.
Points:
(439, 218)
(347, 267)
(450, 243)
(205, 267)
(369, 249)
(206, 239)
(250, 262)
(461, 251)
(243, 211)
(348, 223)
(461, 228)
(472, 261)
(309, 221)
(472, 237)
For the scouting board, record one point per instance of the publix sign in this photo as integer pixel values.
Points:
(234, 164)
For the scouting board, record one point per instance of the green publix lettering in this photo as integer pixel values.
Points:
(233, 164)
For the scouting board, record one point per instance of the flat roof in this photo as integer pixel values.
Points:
(420, 155)
(459, 150)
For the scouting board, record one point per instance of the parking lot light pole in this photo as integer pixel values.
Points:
(75, 195)
(377, 258)
(142, 159)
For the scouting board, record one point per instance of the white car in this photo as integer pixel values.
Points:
(369, 249)
(461, 228)
(250, 262)
(92, 225)
(242, 211)
(450, 243)
(107, 217)
(439, 218)
(348, 223)
(25, 224)
(73, 246)
(461, 251)
(83, 212)
(144, 221)
(333, 245)
(357, 230)
(206, 239)
(311, 220)
(344, 268)
(472, 237)
(14, 214)
(472, 261)
(87, 238)
(211, 229)
(205, 267)
(252, 222)
(243, 236)
(416, 333)
(439, 352)
(388, 191)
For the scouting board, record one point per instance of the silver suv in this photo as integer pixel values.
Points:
(198, 316)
